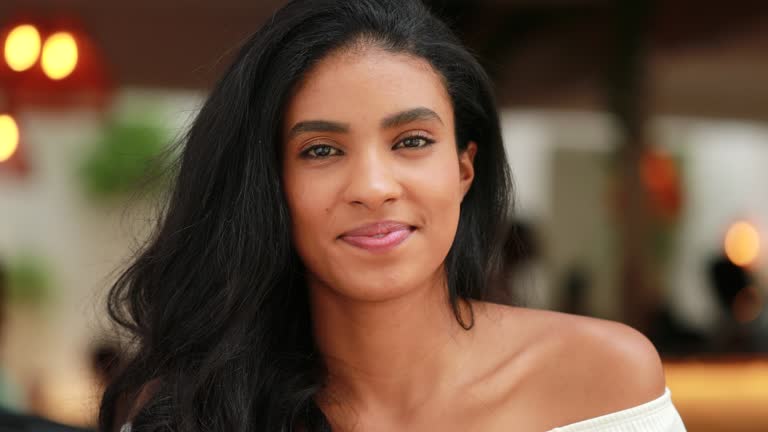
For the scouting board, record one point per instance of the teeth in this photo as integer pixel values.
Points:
(379, 235)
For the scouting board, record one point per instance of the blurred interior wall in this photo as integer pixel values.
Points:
(82, 242)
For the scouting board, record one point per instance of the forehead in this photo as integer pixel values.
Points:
(366, 84)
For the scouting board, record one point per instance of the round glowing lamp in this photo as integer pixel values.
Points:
(22, 47)
(742, 243)
(60, 55)
(9, 137)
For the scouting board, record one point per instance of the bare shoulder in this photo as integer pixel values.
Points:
(572, 368)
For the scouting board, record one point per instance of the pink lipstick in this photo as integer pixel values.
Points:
(379, 236)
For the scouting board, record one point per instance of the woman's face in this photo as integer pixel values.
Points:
(371, 173)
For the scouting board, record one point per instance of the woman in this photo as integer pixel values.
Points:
(323, 259)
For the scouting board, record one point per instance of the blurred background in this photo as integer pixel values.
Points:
(637, 133)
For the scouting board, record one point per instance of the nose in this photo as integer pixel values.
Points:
(372, 180)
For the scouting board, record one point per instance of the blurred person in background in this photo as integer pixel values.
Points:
(519, 273)
(11, 394)
(106, 359)
(740, 303)
(11, 399)
(325, 255)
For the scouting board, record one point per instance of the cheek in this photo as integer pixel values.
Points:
(313, 201)
(439, 187)
(436, 190)
(309, 203)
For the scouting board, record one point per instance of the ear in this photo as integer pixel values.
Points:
(467, 167)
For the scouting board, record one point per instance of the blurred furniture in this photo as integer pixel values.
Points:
(720, 394)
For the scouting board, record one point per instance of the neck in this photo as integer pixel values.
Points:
(388, 356)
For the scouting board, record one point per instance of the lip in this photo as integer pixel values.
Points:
(378, 236)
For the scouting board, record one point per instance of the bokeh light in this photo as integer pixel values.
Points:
(742, 243)
(22, 47)
(59, 55)
(9, 137)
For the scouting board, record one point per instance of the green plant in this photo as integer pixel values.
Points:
(29, 280)
(123, 159)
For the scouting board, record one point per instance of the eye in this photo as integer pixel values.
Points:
(320, 151)
(414, 142)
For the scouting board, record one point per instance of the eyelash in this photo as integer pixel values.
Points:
(307, 153)
(427, 141)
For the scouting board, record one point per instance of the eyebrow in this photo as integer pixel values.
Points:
(407, 116)
(391, 121)
(317, 126)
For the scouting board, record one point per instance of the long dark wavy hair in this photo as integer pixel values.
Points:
(216, 302)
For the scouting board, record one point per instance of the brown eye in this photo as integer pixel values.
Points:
(320, 151)
(414, 142)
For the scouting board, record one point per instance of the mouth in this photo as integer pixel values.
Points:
(379, 236)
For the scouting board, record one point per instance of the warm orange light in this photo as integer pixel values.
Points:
(9, 137)
(59, 55)
(22, 47)
(742, 243)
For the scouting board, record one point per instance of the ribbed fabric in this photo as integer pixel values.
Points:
(658, 415)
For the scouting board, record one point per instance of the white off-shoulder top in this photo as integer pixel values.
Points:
(658, 415)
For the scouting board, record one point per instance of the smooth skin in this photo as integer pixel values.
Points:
(369, 136)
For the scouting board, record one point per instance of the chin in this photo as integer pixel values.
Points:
(377, 280)
(383, 285)
(375, 291)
